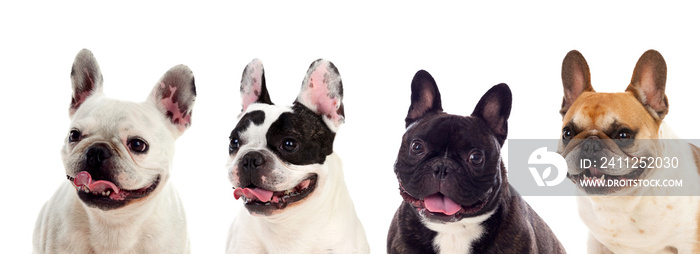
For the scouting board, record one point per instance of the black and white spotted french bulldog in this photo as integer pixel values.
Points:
(456, 194)
(283, 167)
(117, 158)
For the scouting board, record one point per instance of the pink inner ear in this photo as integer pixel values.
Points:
(172, 108)
(252, 94)
(80, 98)
(648, 87)
(577, 86)
(318, 95)
(87, 90)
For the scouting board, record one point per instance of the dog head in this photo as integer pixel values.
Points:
(278, 153)
(449, 166)
(599, 127)
(116, 152)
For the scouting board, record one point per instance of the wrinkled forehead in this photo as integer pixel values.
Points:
(258, 117)
(603, 110)
(111, 112)
(272, 112)
(120, 120)
(451, 130)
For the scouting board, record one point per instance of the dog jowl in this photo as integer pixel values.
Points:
(282, 166)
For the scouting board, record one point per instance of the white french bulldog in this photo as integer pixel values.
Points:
(283, 166)
(117, 158)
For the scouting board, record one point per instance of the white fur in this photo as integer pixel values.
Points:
(65, 225)
(323, 222)
(457, 237)
(155, 224)
(326, 220)
(648, 224)
(255, 137)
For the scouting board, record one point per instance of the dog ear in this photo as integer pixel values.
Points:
(425, 97)
(494, 109)
(174, 96)
(253, 88)
(649, 83)
(576, 78)
(322, 92)
(86, 79)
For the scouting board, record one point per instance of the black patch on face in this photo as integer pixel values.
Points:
(450, 140)
(307, 129)
(256, 117)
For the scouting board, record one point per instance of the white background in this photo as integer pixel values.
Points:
(376, 46)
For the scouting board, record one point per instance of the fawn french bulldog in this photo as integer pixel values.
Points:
(628, 127)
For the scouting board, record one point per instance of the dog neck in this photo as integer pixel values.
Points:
(328, 215)
(122, 227)
(458, 237)
(642, 220)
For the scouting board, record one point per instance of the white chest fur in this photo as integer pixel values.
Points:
(325, 221)
(457, 237)
(653, 223)
(641, 224)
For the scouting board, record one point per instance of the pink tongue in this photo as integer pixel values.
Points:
(595, 172)
(85, 179)
(254, 193)
(439, 203)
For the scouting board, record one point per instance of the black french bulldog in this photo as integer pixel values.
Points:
(457, 198)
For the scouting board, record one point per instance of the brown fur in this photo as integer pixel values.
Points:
(641, 109)
(591, 106)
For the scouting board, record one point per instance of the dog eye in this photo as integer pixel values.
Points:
(234, 145)
(74, 136)
(476, 158)
(567, 133)
(624, 134)
(417, 147)
(289, 145)
(138, 145)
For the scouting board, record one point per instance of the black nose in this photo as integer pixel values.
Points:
(440, 170)
(97, 154)
(592, 145)
(252, 160)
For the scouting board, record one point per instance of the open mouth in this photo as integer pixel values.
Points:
(260, 200)
(440, 207)
(596, 180)
(106, 194)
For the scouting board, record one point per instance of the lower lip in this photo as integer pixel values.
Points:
(268, 208)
